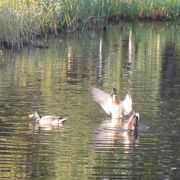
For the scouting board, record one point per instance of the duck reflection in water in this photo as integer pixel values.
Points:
(112, 132)
(130, 129)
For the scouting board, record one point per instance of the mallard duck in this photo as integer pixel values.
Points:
(111, 103)
(48, 119)
(133, 122)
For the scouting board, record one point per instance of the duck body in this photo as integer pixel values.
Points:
(51, 119)
(111, 103)
(48, 119)
(116, 106)
(133, 122)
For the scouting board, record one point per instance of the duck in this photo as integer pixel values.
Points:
(133, 122)
(111, 103)
(48, 119)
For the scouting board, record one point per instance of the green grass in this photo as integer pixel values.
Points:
(23, 20)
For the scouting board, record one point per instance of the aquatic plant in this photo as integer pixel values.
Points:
(23, 20)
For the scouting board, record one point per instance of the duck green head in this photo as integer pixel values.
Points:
(114, 91)
(35, 115)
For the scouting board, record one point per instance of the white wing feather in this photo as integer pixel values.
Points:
(102, 98)
(127, 104)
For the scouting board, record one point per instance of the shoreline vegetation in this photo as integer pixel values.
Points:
(22, 21)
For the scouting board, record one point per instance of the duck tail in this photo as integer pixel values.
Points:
(62, 120)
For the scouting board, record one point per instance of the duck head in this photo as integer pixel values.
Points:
(36, 115)
(137, 117)
(133, 121)
(114, 96)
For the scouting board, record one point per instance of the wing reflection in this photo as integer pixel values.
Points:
(111, 135)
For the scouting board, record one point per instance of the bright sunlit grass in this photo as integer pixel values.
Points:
(23, 20)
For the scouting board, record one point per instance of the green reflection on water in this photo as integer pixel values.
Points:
(58, 80)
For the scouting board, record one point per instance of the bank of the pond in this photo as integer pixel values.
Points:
(21, 21)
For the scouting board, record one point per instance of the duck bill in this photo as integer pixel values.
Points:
(31, 115)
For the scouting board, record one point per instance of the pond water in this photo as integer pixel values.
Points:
(142, 58)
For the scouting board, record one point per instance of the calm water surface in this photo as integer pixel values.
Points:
(144, 58)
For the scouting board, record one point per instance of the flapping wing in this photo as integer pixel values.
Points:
(127, 104)
(102, 98)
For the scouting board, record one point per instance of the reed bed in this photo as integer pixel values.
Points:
(21, 21)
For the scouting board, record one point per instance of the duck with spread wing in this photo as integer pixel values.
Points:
(111, 103)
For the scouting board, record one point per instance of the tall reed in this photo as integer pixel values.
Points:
(23, 20)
